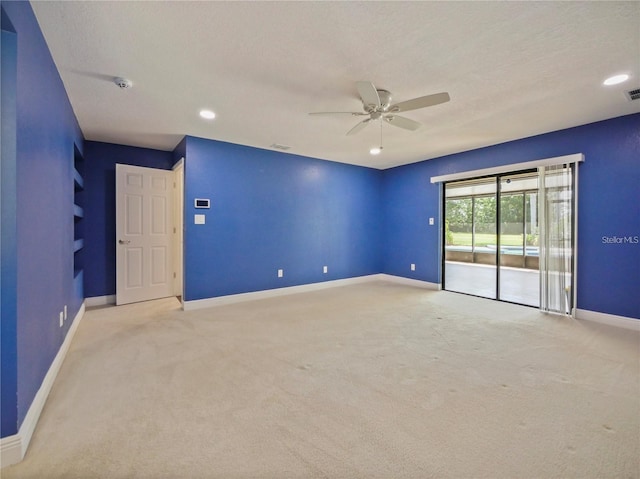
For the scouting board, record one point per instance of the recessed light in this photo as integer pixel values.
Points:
(375, 150)
(207, 114)
(615, 79)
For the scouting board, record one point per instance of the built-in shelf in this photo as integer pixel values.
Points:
(78, 181)
(78, 224)
(78, 212)
(78, 280)
(78, 245)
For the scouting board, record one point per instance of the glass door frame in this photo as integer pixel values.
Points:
(498, 177)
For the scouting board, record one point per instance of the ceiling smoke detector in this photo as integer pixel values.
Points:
(123, 83)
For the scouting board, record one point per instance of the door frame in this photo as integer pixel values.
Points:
(497, 176)
(178, 229)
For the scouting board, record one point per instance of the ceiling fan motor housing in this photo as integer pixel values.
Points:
(385, 99)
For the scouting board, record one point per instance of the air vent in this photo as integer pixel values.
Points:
(634, 94)
(278, 146)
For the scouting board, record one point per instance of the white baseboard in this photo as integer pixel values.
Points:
(610, 319)
(100, 300)
(13, 448)
(272, 293)
(303, 288)
(410, 282)
(11, 451)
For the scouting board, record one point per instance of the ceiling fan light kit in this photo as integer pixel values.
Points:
(377, 105)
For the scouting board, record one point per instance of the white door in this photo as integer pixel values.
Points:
(178, 180)
(143, 234)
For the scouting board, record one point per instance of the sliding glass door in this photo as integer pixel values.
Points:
(470, 237)
(519, 278)
(491, 237)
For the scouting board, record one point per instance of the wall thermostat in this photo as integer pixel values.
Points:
(202, 203)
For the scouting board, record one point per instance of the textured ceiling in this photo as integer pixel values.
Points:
(513, 69)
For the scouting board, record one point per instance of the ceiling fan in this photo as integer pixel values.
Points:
(377, 106)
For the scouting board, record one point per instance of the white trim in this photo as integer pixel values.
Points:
(410, 282)
(574, 273)
(272, 293)
(178, 228)
(303, 288)
(10, 450)
(13, 448)
(100, 300)
(496, 170)
(610, 319)
(178, 164)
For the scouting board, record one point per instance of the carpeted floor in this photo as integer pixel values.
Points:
(367, 381)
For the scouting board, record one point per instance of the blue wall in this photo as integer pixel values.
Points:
(180, 151)
(100, 204)
(609, 205)
(8, 232)
(270, 211)
(296, 213)
(46, 131)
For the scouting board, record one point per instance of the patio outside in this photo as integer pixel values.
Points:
(477, 241)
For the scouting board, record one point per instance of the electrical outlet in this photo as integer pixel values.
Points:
(61, 318)
(325, 269)
(431, 221)
(413, 267)
(280, 273)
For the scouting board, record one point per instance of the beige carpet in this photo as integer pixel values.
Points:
(368, 381)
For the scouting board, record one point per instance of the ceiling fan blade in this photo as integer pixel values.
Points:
(402, 122)
(421, 102)
(353, 113)
(368, 93)
(358, 127)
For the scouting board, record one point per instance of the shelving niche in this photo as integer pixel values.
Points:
(78, 223)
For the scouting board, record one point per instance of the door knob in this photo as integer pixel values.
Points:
(124, 242)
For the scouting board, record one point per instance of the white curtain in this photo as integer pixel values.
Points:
(556, 210)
